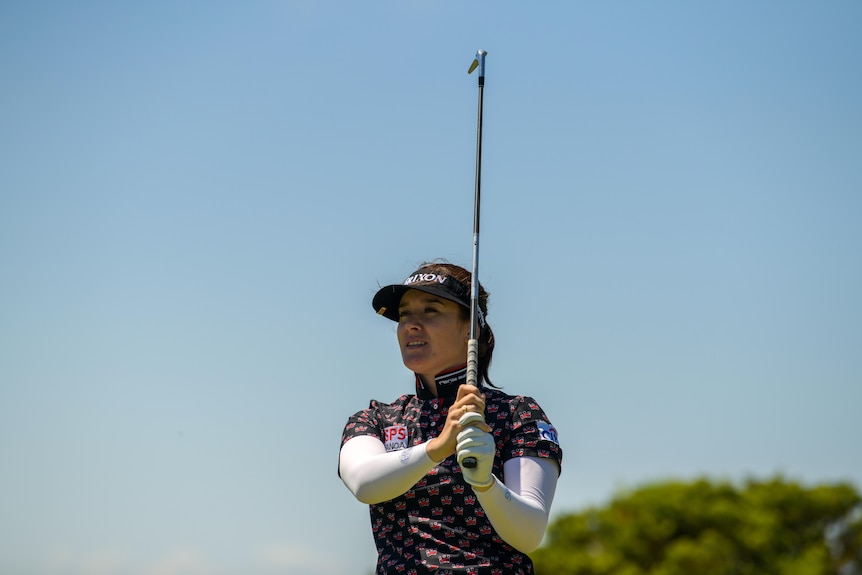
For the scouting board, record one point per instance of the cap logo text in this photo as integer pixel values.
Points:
(425, 278)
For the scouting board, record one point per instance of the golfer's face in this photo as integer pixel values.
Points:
(432, 333)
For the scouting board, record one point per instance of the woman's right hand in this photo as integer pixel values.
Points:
(469, 399)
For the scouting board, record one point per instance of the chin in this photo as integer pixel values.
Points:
(414, 367)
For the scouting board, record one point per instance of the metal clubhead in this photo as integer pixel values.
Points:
(479, 62)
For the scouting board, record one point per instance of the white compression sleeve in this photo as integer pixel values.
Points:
(519, 510)
(375, 475)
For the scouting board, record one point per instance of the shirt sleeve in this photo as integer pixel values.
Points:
(362, 423)
(532, 433)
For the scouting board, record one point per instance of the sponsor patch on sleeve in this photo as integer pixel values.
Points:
(547, 432)
(395, 437)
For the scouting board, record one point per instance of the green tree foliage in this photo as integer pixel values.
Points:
(772, 527)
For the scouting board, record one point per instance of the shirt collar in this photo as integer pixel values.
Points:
(447, 382)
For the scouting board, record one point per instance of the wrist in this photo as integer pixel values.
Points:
(485, 487)
(433, 451)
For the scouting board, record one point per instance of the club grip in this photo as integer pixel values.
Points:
(473, 362)
(470, 418)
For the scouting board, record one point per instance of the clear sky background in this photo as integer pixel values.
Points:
(199, 199)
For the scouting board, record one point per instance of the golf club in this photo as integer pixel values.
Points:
(475, 312)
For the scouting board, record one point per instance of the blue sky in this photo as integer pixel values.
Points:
(198, 200)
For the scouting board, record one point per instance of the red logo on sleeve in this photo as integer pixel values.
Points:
(395, 437)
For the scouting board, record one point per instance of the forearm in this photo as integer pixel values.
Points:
(374, 475)
(519, 511)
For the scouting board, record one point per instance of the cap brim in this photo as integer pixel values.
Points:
(387, 299)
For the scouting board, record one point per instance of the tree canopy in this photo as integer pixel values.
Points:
(771, 527)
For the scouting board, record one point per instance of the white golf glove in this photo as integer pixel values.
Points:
(478, 444)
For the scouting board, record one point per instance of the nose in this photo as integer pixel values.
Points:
(410, 323)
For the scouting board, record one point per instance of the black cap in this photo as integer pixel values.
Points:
(388, 298)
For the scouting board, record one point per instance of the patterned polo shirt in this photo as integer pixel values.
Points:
(438, 525)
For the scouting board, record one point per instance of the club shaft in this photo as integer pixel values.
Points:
(477, 206)
(475, 328)
(473, 343)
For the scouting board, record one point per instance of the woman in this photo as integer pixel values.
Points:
(428, 513)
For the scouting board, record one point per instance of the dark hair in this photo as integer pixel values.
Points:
(486, 335)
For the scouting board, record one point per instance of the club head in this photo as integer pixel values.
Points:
(479, 62)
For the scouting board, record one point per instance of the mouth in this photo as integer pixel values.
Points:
(414, 344)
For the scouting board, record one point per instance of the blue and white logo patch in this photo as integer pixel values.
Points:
(547, 432)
